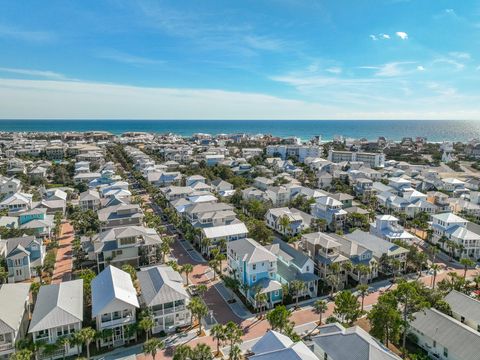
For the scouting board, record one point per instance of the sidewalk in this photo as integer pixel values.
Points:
(64, 262)
(237, 307)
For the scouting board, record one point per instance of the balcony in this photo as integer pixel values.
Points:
(167, 311)
(117, 322)
(6, 347)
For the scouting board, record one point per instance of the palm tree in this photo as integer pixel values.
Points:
(49, 350)
(362, 270)
(165, 250)
(320, 308)
(466, 262)
(86, 336)
(363, 291)
(146, 323)
(284, 223)
(235, 353)
(201, 352)
(285, 291)
(64, 342)
(261, 300)
(198, 310)
(131, 271)
(218, 334)
(187, 269)
(206, 244)
(297, 286)
(233, 333)
(24, 354)
(152, 346)
(435, 268)
(182, 352)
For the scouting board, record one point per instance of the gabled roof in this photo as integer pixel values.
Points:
(225, 230)
(353, 344)
(321, 239)
(250, 251)
(271, 341)
(460, 340)
(57, 305)
(160, 285)
(274, 345)
(112, 289)
(464, 305)
(12, 298)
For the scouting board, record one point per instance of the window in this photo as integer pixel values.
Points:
(254, 278)
(434, 343)
(445, 352)
(254, 266)
(462, 319)
(276, 293)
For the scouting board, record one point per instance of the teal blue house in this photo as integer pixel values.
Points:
(255, 268)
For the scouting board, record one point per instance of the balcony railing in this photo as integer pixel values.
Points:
(169, 310)
(115, 322)
(5, 347)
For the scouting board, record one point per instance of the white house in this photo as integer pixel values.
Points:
(114, 304)
(58, 312)
(444, 337)
(14, 316)
(162, 292)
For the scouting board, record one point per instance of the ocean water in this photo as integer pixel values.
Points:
(433, 130)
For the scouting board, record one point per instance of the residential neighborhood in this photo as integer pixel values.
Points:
(147, 245)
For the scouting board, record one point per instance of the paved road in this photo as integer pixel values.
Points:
(64, 262)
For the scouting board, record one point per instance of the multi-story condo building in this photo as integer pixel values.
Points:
(120, 215)
(255, 268)
(324, 250)
(89, 200)
(23, 255)
(58, 312)
(293, 264)
(163, 292)
(299, 152)
(330, 210)
(124, 245)
(14, 316)
(114, 305)
(374, 160)
(387, 227)
(298, 221)
(450, 227)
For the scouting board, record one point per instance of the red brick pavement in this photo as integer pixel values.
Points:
(64, 262)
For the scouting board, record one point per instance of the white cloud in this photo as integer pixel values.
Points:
(264, 43)
(334, 70)
(456, 64)
(10, 32)
(392, 69)
(460, 55)
(373, 37)
(34, 73)
(420, 68)
(402, 35)
(385, 36)
(122, 57)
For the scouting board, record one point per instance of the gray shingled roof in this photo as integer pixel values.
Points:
(160, 285)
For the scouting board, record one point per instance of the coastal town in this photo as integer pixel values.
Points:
(157, 246)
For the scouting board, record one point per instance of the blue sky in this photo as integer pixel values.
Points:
(250, 59)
